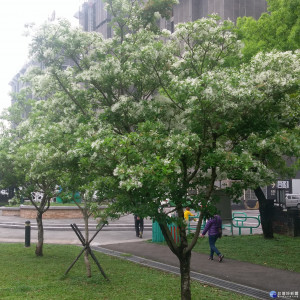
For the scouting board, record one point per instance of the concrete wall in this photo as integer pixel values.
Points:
(66, 212)
(286, 222)
(29, 212)
(10, 211)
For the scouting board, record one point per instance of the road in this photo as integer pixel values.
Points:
(58, 231)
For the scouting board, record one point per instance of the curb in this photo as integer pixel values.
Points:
(64, 227)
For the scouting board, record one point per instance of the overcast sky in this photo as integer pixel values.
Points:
(14, 46)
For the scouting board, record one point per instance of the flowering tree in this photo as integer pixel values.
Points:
(211, 121)
(80, 94)
(164, 114)
(77, 176)
(25, 164)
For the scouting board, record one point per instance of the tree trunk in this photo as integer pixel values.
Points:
(266, 212)
(185, 262)
(183, 255)
(39, 246)
(87, 264)
(86, 254)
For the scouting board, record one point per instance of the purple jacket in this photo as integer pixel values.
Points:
(213, 225)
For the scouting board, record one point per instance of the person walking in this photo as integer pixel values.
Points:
(214, 229)
(139, 226)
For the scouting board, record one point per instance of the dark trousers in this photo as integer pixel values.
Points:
(139, 225)
(213, 249)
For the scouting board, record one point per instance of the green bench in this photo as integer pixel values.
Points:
(240, 218)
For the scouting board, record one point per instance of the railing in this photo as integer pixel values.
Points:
(227, 223)
(193, 221)
(239, 220)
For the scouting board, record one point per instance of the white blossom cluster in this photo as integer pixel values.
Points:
(130, 177)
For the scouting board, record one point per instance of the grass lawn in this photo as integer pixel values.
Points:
(282, 252)
(25, 276)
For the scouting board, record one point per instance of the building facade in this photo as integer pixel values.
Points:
(94, 17)
(191, 10)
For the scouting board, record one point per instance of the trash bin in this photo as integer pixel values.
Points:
(158, 237)
(174, 229)
(76, 197)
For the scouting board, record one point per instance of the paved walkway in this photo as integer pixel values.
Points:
(246, 274)
(118, 241)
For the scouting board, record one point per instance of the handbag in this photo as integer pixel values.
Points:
(220, 232)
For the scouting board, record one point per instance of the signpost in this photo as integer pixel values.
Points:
(271, 191)
(277, 190)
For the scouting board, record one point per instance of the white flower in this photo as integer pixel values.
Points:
(116, 171)
(157, 15)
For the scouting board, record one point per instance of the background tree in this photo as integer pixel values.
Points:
(66, 96)
(278, 29)
(52, 118)
(26, 166)
(78, 177)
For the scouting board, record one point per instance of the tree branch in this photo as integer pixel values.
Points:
(68, 93)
